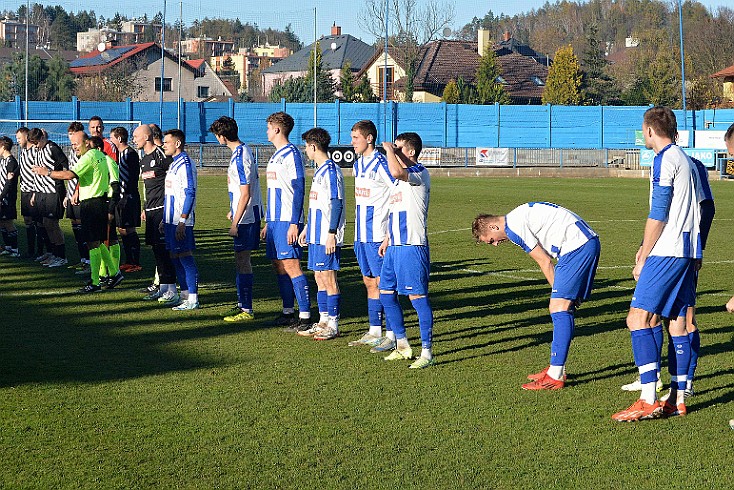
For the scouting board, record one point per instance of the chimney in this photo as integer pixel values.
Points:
(483, 41)
(336, 30)
(506, 36)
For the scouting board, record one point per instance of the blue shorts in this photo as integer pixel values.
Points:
(406, 269)
(666, 286)
(370, 262)
(276, 242)
(318, 260)
(574, 273)
(178, 247)
(248, 237)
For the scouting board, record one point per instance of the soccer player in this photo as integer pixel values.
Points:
(96, 128)
(73, 212)
(405, 252)
(546, 232)
(324, 233)
(245, 212)
(26, 158)
(372, 184)
(9, 171)
(49, 196)
(665, 269)
(127, 212)
(729, 141)
(178, 217)
(92, 171)
(153, 167)
(284, 222)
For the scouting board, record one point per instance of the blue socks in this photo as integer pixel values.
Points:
(244, 290)
(425, 320)
(180, 273)
(374, 312)
(300, 288)
(332, 302)
(563, 327)
(694, 339)
(645, 352)
(679, 359)
(192, 273)
(285, 286)
(657, 333)
(322, 302)
(393, 313)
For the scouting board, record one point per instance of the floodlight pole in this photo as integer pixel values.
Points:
(27, 41)
(315, 47)
(163, 63)
(384, 75)
(682, 64)
(178, 97)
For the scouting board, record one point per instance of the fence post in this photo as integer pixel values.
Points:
(74, 108)
(550, 125)
(497, 107)
(282, 104)
(338, 121)
(393, 120)
(201, 155)
(445, 124)
(560, 157)
(606, 157)
(19, 109)
(466, 157)
(514, 158)
(230, 107)
(601, 126)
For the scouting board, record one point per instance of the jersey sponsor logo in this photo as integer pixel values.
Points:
(361, 192)
(148, 175)
(272, 175)
(398, 197)
(313, 195)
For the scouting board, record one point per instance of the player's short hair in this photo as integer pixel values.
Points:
(729, 133)
(177, 134)
(23, 130)
(413, 141)
(366, 128)
(74, 127)
(480, 224)
(156, 131)
(662, 121)
(121, 133)
(6, 143)
(95, 142)
(35, 135)
(225, 126)
(317, 136)
(283, 120)
(96, 118)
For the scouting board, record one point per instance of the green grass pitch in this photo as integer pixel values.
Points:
(107, 391)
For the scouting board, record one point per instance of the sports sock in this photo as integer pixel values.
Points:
(103, 269)
(321, 303)
(244, 291)
(563, 328)
(41, 240)
(95, 258)
(81, 246)
(679, 359)
(645, 354)
(30, 236)
(393, 314)
(332, 301)
(126, 248)
(694, 338)
(375, 313)
(13, 240)
(657, 332)
(115, 254)
(60, 250)
(390, 334)
(192, 275)
(425, 320)
(134, 257)
(402, 344)
(4, 233)
(180, 274)
(426, 353)
(300, 288)
(106, 258)
(285, 286)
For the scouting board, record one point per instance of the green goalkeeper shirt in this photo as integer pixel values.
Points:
(93, 173)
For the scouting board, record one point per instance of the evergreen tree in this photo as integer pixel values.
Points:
(597, 87)
(489, 90)
(364, 92)
(564, 79)
(467, 92)
(346, 82)
(292, 90)
(451, 93)
(59, 84)
(324, 82)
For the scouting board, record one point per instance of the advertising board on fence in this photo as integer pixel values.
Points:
(430, 157)
(493, 156)
(706, 156)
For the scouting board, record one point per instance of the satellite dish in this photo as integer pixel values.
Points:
(101, 47)
(446, 31)
(333, 46)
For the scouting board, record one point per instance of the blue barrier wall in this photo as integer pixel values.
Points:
(442, 125)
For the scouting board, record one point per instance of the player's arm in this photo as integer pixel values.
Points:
(397, 169)
(54, 174)
(545, 262)
(299, 191)
(241, 208)
(61, 161)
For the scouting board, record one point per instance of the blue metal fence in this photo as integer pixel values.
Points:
(440, 125)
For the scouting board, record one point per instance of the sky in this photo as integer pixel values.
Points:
(300, 14)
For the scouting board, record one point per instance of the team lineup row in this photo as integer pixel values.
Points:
(391, 196)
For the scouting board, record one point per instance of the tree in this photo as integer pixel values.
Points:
(467, 92)
(597, 87)
(114, 84)
(346, 82)
(564, 79)
(413, 26)
(489, 90)
(292, 90)
(364, 92)
(451, 93)
(59, 84)
(324, 82)
(12, 82)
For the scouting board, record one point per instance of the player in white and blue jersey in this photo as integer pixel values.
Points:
(245, 213)
(372, 183)
(324, 233)
(284, 222)
(405, 251)
(549, 232)
(178, 217)
(665, 268)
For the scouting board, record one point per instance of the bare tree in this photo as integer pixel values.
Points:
(411, 25)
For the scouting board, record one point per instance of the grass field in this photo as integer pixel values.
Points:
(107, 391)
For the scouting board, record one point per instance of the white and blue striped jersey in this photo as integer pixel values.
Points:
(26, 160)
(556, 229)
(372, 183)
(408, 219)
(180, 195)
(327, 184)
(285, 167)
(674, 200)
(243, 171)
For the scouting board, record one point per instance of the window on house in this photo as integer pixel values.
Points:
(537, 81)
(166, 84)
(381, 83)
(202, 92)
